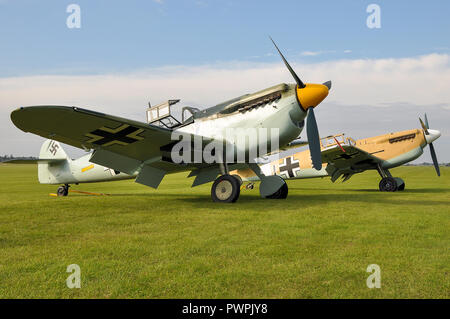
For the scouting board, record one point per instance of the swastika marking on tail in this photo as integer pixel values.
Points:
(53, 147)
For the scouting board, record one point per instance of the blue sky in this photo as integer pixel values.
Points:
(119, 36)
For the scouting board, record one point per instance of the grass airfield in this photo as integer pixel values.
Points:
(175, 242)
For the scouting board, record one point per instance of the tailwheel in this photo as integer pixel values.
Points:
(63, 190)
(388, 184)
(281, 193)
(226, 189)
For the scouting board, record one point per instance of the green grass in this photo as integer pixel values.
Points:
(175, 242)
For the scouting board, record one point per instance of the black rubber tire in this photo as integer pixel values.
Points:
(388, 184)
(225, 184)
(62, 191)
(401, 187)
(281, 193)
(238, 178)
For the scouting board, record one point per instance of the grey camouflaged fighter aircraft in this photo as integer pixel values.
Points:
(143, 150)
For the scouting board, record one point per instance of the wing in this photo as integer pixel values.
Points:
(34, 161)
(92, 130)
(122, 144)
(346, 160)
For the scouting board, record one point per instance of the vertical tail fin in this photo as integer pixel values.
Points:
(53, 172)
(52, 150)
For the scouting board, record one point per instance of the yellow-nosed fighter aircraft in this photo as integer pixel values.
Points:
(343, 157)
(124, 148)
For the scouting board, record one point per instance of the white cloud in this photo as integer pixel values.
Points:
(315, 53)
(420, 80)
(416, 83)
(311, 53)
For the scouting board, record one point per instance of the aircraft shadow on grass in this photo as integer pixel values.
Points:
(314, 199)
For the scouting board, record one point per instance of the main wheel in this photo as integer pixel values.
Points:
(62, 191)
(388, 184)
(238, 178)
(400, 183)
(281, 193)
(226, 189)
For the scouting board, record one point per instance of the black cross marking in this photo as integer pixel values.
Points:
(346, 156)
(120, 136)
(289, 167)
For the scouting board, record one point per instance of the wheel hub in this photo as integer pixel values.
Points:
(224, 190)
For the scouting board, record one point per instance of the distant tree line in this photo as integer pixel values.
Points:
(12, 157)
(426, 164)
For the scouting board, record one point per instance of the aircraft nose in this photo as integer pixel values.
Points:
(432, 136)
(311, 95)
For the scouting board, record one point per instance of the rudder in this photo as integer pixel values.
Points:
(52, 150)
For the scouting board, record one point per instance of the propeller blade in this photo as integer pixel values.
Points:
(424, 127)
(435, 161)
(296, 78)
(313, 139)
(327, 84)
(426, 121)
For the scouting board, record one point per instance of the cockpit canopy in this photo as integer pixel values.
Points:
(163, 115)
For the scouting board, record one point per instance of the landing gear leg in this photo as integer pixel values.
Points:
(63, 190)
(226, 188)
